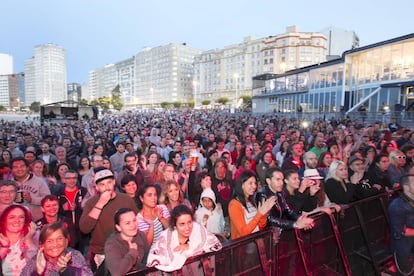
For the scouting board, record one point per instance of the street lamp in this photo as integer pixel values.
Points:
(152, 97)
(236, 77)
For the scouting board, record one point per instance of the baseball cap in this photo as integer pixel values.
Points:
(101, 174)
(354, 158)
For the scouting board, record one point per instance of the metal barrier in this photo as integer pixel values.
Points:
(354, 242)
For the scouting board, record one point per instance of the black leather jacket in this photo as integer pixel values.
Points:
(281, 215)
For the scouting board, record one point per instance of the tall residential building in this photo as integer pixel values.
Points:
(103, 80)
(9, 90)
(227, 72)
(293, 49)
(164, 74)
(339, 41)
(46, 75)
(6, 64)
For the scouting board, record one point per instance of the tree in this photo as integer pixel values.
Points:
(35, 106)
(223, 100)
(165, 104)
(83, 101)
(191, 103)
(177, 104)
(116, 100)
(247, 101)
(104, 102)
(2, 108)
(206, 102)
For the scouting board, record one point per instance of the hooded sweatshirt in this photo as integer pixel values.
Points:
(213, 220)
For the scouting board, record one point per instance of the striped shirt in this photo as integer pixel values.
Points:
(144, 225)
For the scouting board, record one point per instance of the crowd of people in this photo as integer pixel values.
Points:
(151, 189)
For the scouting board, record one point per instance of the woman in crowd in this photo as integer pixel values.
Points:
(183, 239)
(266, 162)
(174, 196)
(175, 160)
(130, 187)
(369, 153)
(196, 185)
(50, 210)
(6, 156)
(397, 167)
(378, 172)
(281, 154)
(324, 161)
(337, 187)
(99, 150)
(245, 165)
(59, 176)
(245, 216)
(54, 256)
(153, 157)
(84, 167)
(247, 151)
(300, 195)
(17, 245)
(212, 157)
(151, 218)
(236, 153)
(127, 248)
(335, 151)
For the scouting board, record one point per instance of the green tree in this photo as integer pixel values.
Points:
(165, 104)
(247, 101)
(2, 108)
(206, 102)
(116, 100)
(35, 106)
(177, 104)
(104, 102)
(83, 101)
(191, 103)
(223, 100)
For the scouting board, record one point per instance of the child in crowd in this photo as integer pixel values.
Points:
(210, 213)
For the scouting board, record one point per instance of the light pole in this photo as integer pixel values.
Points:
(236, 77)
(152, 97)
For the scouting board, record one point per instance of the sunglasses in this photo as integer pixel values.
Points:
(401, 157)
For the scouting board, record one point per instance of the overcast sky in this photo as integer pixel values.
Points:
(99, 32)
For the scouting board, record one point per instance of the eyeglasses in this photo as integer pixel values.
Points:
(401, 157)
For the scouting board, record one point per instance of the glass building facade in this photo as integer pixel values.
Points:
(375, 75)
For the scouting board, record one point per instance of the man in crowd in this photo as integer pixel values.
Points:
(117, 159)
(33, 187)
(8, 189)
(401, 214)
(98, 214)
(46, 155)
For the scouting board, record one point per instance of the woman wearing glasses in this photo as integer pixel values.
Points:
(397, 167)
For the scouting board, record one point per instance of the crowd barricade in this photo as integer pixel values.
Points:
(365, 232)
(353, 242)
(250, 255)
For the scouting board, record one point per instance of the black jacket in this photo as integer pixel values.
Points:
(281, 215)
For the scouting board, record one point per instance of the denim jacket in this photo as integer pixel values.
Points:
(401, 212)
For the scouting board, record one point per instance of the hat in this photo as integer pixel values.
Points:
(353, 158)
(312, 174)
(103, 174)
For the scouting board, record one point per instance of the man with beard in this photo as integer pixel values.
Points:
(310, 161)
(131, 167)
(98, 214)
